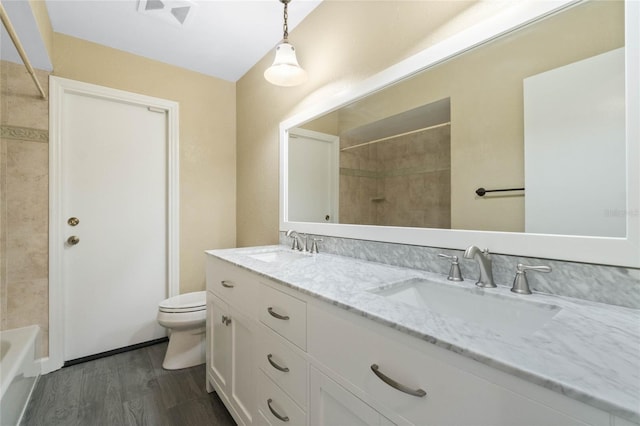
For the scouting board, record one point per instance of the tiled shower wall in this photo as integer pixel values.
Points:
(403, 181)
(24, 169)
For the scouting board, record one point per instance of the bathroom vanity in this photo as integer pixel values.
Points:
(295, 338)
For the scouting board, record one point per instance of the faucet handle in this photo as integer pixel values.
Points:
(295, 244)
(520, 283)
(523, 268)
(454, 271)
(314, 245)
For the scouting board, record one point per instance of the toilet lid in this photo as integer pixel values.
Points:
(187, 302)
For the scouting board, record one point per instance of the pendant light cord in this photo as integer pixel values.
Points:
(285, 26)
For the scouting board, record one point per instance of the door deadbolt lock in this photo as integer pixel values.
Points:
(73, 240)
(73, 221)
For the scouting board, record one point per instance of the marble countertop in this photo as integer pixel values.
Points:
(587, 351)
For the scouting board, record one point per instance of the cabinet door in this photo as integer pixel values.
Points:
(218, 344)
(243, 366)
(332, 405)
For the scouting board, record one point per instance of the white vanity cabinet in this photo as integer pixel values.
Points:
(277, 356)
(231, 338)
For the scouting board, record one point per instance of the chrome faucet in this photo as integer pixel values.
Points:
(484, 262)
(297, 243)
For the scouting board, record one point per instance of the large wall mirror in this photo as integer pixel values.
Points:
(520, 134)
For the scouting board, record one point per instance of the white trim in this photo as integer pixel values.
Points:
(613, 251)
(335, 165)
(58, 88)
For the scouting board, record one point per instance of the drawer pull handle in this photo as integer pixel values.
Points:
(277, 315)
(276, 366)
(227, 284)
(275, 413)
(402, 388)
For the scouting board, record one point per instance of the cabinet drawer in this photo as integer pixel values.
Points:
(330, 404)
(276, 405)
(231, 284)
(453, 396)
(284, 314)
(274, 356)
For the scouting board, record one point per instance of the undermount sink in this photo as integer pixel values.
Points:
(505, 315)
(277, 256)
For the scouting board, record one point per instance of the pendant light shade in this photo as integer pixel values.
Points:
(285, 70)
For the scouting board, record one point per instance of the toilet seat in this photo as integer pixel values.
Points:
(183, 303)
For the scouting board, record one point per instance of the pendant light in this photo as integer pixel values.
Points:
(285, 70)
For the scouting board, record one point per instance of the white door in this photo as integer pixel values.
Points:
(313, 176)
(113, 180)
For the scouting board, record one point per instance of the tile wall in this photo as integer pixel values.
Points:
(24, 169)
(403, 181)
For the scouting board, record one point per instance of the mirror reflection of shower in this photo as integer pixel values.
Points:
(402, 177)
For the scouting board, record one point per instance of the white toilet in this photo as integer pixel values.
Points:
(185, 316)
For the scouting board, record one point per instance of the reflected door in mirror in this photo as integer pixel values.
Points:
(313, 176)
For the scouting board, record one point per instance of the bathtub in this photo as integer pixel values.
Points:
(19, 371)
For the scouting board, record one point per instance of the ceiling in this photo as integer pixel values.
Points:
(220, 38)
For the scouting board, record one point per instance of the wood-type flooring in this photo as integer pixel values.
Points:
(129, 388)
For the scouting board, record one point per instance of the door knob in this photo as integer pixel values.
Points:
(73, 221)
(73, 240)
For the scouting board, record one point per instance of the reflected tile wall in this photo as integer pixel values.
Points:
(3, 233)
(404, 181)
(24, 169)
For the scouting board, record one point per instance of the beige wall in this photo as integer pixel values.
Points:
(487, 118)
(207, 139)
(340, 43)
(41, 14)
